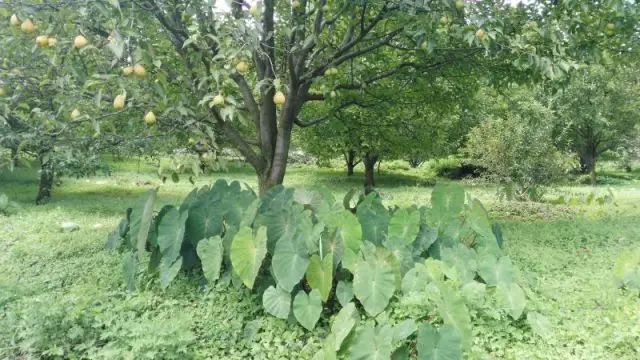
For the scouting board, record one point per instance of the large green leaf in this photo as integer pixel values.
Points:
(416, 279)
(374, 283)
(403, 330)
(438, 345)
(463, 260)
(171, 230)
(290, 261)
(141, 217)
(344, 322)
(447, 202)
(374, 219)
(247, 253)
(277, 302)
(169, 270)
(130, 270)
(205, 218)
(320, 274)
(454, 312)
(539, 324)
(344, 292)
(350, 230)
(494, 271)
(479, 220)
(511, 298)
(404, 225)
(372, 343)
(211, 252)
(307, 308)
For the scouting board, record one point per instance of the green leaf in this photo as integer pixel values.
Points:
(350, 231)
(372, 343)
(444, 344)
(474, 292)
(290, 261)
(454, 312)
(307, 308)
(277, 302)
(130, 269)
(463, 260)
(320, 274)
(539, 324)
(344, 292)
(344, 322)
(374, 219)
(416, 279)
(171, 233)
(403, 330)
(404, 225)
(168, 271)
(247, 254)
(141, 218)
(493, 271)
(374, 283)
(512, 299)
(210, 251)
(447, 202)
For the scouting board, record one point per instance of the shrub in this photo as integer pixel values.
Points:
(306, 254)
(7, 207)
(518, 154)
(627, 270)
(457, 169)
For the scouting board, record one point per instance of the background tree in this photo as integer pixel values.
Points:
(598, 111)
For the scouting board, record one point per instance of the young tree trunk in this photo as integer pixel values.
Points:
(369, 160)
(350, 160)
(14, 156)
(46, 180)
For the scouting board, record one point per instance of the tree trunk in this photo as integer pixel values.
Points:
(588, 164)
(350, 159)
(46, 180)
(369, 160)
(14, 157)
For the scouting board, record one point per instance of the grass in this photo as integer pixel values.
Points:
(61, 294)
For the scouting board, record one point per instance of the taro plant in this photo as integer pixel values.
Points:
(626, 270)
(307, 255)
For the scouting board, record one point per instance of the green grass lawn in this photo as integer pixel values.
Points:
(61, 294)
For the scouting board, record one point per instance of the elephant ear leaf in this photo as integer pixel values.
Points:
(307, 308)
(211, 252)
(141, 218)
(512, 299)
(320, 274)
(247, 253)
(442, 344)
(374, 282)
(277, 302)
(290, 261)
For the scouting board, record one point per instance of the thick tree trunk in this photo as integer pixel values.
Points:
(47, 174)
(588, 164)
(369, 160)
(350, 160)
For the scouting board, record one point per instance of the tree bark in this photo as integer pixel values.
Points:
(350, 159)
(588, 163)
(369, 160)
(47, 175)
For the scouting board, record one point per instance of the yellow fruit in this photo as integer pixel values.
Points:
(192, 141)
(14, 21)
(150, 118)
(444, 20)
(218, 100)
(254, 10)
(80, 41)
(295, 4)
(42, 40)
(1, 91)
(75, 114)
(326, 8)
(481, 34)
(27, 26)
(611, 26)
(331, 71)
(118, 102)
(333, 94)
(52, 41)
(127, 70)
(242, 66)
(139, 70)
(460, 5)
(279, 98)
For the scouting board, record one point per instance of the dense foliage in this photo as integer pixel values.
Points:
(305, 255)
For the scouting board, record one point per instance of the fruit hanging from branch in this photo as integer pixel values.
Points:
(150, 118)
(460, 5)
(42, 40)
(127, 70)
(14, 21)
(218, 100)
(119, 102)
(80, 41)
(279, 98)
(27, 26)
(139, 70)
(51, 42)
(481, 34)
(75, 114)
(242, 66)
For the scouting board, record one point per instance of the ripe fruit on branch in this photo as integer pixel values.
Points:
(481, 34)
(52, 41)
(295, 4)
(242, 66)
(80, 41)
(331, 71)
(150, 118)
(1, 91)
(279, 98)
(27, 26)
(444, 20)
(119, 101)
(14, 21)
(75, 114)
(218, 100)
(127, 70)
(460, 5)
(139, 70)
(42, 40)
(192, 141)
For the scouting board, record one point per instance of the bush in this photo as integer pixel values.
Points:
(518, 154)
(306, 254)
(627, 270)
(457, 169)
